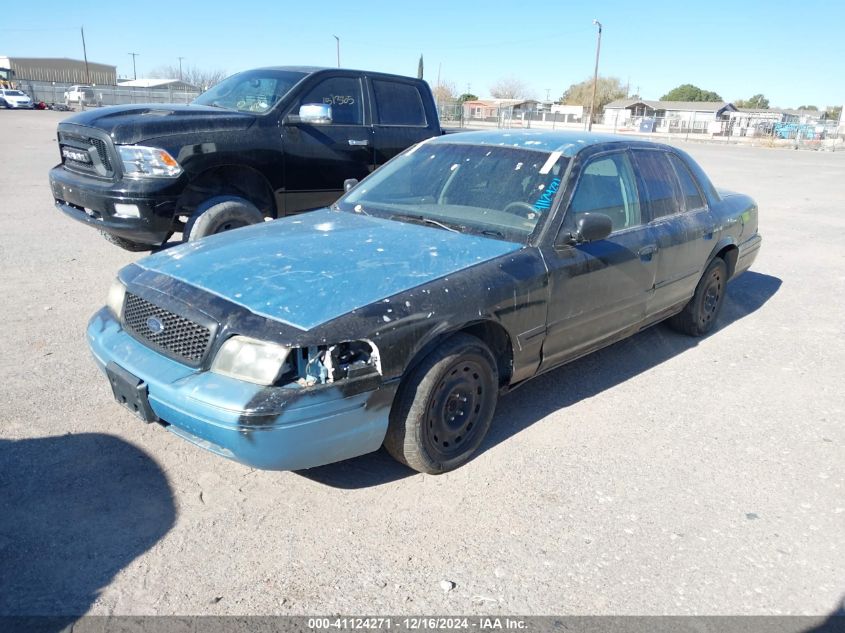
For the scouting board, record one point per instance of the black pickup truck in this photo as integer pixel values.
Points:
(261, 144)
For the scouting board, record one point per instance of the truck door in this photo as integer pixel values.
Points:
(318, 158)
(399, 117)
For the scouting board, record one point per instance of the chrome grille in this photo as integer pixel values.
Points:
(179, 338)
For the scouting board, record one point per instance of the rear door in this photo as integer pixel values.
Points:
(399, 116)
(600, 288)
(318, 158)
(677, 212)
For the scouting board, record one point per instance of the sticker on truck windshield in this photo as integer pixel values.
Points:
(544, 203)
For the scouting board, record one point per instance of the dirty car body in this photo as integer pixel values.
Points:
(306, 340)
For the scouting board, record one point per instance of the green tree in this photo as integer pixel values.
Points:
(833, 113)
(607, 89)
(757, 102)
(688, 92)
(467, 96)
(420, 68)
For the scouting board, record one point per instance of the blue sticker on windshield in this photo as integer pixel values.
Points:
(545, 200)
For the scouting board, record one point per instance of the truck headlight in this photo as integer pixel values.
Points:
(114, 301)
(147, 162)
(252, 360)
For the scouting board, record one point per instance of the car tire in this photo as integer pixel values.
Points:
(221, 214)
(699, 315)
(444, 407)
(129, 245)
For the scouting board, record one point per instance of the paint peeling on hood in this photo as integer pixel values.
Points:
(313, 268)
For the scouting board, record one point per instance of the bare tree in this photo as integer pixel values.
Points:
(199, 77)
(509, 88)
(445, 92)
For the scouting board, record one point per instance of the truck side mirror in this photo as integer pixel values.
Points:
(312, 114)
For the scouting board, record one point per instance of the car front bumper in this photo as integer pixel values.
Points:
(274, 428)
(92, 201)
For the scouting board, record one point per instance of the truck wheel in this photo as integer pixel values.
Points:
(129, 245)
(444, 406)
(221, 214)
(699, 315)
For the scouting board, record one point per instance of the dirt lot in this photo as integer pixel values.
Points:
(663, 475)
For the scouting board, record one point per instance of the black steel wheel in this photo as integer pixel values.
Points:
(699, 315)
(444, 406)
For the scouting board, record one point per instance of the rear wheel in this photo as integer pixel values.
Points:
(219, 215)
(444, 406)
(699, 315)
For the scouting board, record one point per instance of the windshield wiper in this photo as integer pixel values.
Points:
(424, 220)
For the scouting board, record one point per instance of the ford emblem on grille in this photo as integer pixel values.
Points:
(155, 326)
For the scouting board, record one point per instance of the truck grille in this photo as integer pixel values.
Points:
(100, 162)
(169, 333)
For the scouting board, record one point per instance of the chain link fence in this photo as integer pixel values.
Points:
(54, 92)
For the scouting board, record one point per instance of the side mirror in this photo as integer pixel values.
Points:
(349, 184)
(592, 227)
(312, 114)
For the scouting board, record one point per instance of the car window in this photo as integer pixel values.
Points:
(659, 190)
(398, 103)
(691, 194)
(251, 91)
(343, 94)
(607, 185)
(498, 191)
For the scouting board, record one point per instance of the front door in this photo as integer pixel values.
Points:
(318, 158)
(600, 288)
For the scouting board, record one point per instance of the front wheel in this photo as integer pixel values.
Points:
(699, 315)
(219, 215)
(444, 406)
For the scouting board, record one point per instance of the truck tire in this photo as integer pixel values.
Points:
(129, 245)
(221, 214)
(444, 406)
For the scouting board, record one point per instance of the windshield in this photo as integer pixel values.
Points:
(14, 93)
(250, 91)
(498, 191)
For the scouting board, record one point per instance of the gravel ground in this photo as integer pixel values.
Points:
(663, 475)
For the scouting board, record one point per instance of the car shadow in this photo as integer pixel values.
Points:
(74, 511)
(583, 378)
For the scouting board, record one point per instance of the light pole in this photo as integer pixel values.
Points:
(134, 55)
(338, 49)
(180, 68)
(595, 77)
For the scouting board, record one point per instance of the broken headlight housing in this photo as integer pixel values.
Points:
(249, 359)
(147, 162)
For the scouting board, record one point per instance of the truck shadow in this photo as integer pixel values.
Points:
(583, 379)
(74, 511)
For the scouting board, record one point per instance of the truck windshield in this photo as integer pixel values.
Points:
(251, 91)
(492, 190)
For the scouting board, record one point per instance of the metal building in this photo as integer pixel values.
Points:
(71, 71)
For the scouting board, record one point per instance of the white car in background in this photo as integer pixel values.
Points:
(80, 95)
(14, 99)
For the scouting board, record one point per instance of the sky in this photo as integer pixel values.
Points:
(793, 53)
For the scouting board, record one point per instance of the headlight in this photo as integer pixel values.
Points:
(148, 162)
(114, 301)
(252, 360)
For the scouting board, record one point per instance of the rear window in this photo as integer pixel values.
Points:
(398, 103)
(658, 185)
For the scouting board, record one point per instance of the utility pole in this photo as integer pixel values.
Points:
(548, 91)
(180, 68)
(595, 78)
(85, 56)
(134, 73)
(338, 49)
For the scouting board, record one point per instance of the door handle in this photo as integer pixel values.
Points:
(353, 141)
(647, 251)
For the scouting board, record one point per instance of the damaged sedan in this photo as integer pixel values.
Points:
(462, 268)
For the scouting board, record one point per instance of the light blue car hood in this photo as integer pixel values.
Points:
(312, 268)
